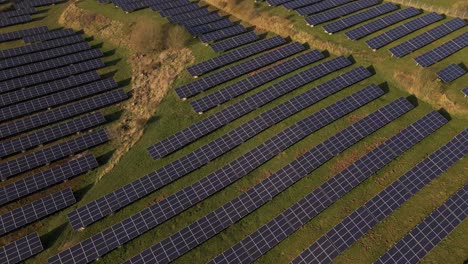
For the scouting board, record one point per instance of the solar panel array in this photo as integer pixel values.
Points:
(278, 229)
(381, 23)
(232, 91)
(232, 72)
(207, 28)
(223, 33)
(321, 6)
(141, 222)
(47, 178)
(14, 35)
(15, 20)
(428, 233)
(97, 209)
(451, 73)
(325, 16)
(234, 42)
(358, 223)
(36, 210)
(198, 21)
(202, 11)
(36, 3)
(443, 51)
(403, 30)
(299, 3)
(19, 12)
(21, 249)
(427, 37)
(355, 19)
(230, 113)
(54, 34)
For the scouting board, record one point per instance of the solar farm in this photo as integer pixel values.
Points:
(233, 131)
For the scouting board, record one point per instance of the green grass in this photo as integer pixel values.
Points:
(173, 115)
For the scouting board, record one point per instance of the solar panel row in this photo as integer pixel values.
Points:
(443, 51)
(208, 226)
(234, 42)
(210, 27)
(13, 13)
(47, 178)
(202, 11)
(36, 210)
(36, 3)
(49, 35)
(22, 33)
(222, 33)
(15, 20)
(210, 81)
(92, 212)
(269, 235)
(451, 73)
(201, 20)
(465, 91)
(47, 155)
(299, 3)
(358, 223)
(230, 113)
(325, 16)
(21, 249)
(232, 91)
(320, 7)
(147, 219)
(428, 233)
(179, 10)
(276, 2)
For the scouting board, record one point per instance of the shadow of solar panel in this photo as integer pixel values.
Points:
(15, 20)
(197, 21)
(340, 11)
(202, 11)
(179, 10)
(36, 210)
(61, 113)
(21, 33)
(20, 12)
(234, 42)
(50, 75)
(21, 249)
(451, 73)
(215, 121)
(358, 223)
(47, 155)
(428, 233)
(54, 34)
(223, 33)
(321, 6)
(210, 27)
(150, 218)
(201, 156)
(299, 3)
(37, 3)
(382, 23)
(235, 55)
(443, 51)
(50, 134)
(47, 178)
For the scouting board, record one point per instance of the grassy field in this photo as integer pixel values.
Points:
(173, 115)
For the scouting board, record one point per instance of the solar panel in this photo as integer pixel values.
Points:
(230, 113)
(169, 5)
(403, 30)
(55, 34)
(202, 11)
(235, 71)
(465, 91)
(36, 3)
(358, 18)
(47, 155)
(208, 226)
(21, 33)
(14, 13)
(234, 42)
(50, 134)
(358, 223)
(61, 113)
(223, 33)
(210, 27)
(50, 75)
(428, 233)
(299, 3)
(321, 6)
(427, 37)
(235, 55)
(197, 21)
(272, 233)
(234, 90)
(382, 23)
(179, 10)
(82, 217)
(36, 210)
(325, 16)
(150, 217)
(276, 2)
(47, 178)
(15, 20)
(56, 99)
(451, 73)
(443, 51)
(21, 249)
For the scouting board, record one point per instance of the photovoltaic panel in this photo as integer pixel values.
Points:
(340, 11)
(235, 55)
(465, 91)
(26, 3)
(234, 42)
(21, 249)
(403, 30)
(235, 71)
(443, 51)
(179, 10)
(382, 23)
(428, 233)
(217, 120)
(47, 155)
(13, 13)
(50, 75)
(101, 207)
(54, 34)
(206, 227)
(210, 27)
(276, 2)
(321, 6)
(169, 4)
(358, 18)
(57, 114)
(202, 11)
(160, 212)
(451, 73)
(47, 178)
(358, 223)
(278, 229)
(299, 3)
(232, 91)
(15, 20)
(36, 210)
(197, 21)
(50, 134)
(21, 33)
(427, 37)
(223, 33)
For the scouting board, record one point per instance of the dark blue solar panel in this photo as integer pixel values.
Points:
(223, 33)
(15, 20)
(451, 73)
(443, 51)
(321, 6)
(234, 42)
(14, 35)
(21, 249)
(325, 16)
(299, 3)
